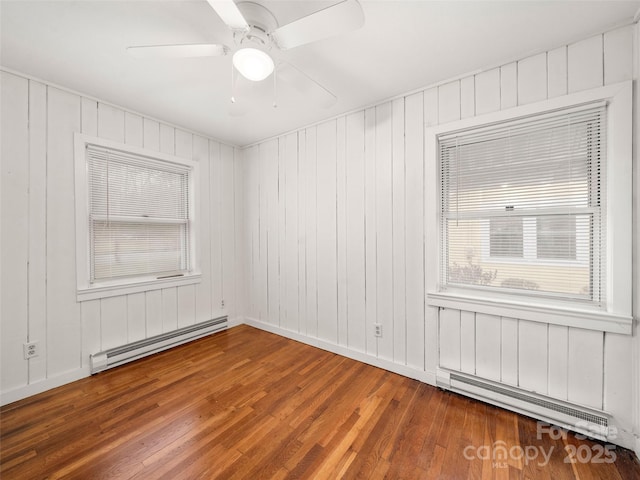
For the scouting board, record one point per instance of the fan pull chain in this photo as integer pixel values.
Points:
(275, 86)
(233, 84)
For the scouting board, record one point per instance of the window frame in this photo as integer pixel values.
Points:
(87, 290)
(614, 315)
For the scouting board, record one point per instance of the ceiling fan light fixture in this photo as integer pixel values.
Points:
(253, 64)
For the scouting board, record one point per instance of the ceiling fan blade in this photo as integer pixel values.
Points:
(339, 18)
(228, 11)
(178, 51)
(306, 85)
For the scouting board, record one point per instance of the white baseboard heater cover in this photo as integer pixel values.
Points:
(591, 422)
(132, 351)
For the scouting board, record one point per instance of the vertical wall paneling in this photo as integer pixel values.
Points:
(414, 227)
(113, 315)
(311, 237)
(509, 85)
(113, 320)
(252, 202)
(289, 152)
(39, 123)
(399, 236)
(282, 231)
(371, 294)
(618, 55)
(362, 204)
(110, 123)
(468, 342)
(186, 305)
(449, 338)
(14, 371)
(302, 230)
(63, 312)
(341, 230)
(215, 226)
(355, 233)
(429, 99)
(585, 367)
(467, 97)
(618, 377)
(169, 309)
(133, 129)
(487, 95)
(154, 307)
(37, 286)
(509, 353)
(384, 229)
(533, 356)
(558, 368)
(227, 222)
(90, 312)
(136, 317)
(167, 139)
(488, 346)
(240, 251)
(89, 116)
(449, 102)
(557, 72)
(150, 134)
(203, 307)
(532, 79)
(584, 64)
(270, 160)
(327, 235)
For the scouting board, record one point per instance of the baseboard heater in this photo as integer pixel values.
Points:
(132, 351)
(591, 422)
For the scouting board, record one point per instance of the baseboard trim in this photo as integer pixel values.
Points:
(20, 393)
(404, 370)
(25, 391)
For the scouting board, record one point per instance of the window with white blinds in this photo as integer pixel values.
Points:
(139, 215)
(523, 205)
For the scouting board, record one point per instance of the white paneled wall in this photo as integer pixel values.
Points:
(337, 209)
(38, 237)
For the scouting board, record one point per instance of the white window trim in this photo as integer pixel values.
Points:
(86, 290)
(615, 315)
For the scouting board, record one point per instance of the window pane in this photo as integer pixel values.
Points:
(556, 237)
(506, 237)
(469, 263)
(124, 249)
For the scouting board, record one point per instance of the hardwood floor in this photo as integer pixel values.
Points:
(247, 404)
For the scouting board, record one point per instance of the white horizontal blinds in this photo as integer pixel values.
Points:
(139, 215)
(521, 204)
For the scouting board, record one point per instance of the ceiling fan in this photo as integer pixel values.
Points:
(259, 39)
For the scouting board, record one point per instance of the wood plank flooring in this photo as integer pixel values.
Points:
(246, 404)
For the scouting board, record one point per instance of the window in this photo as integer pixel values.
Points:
(138, 215)
(528, 179)
(531, 209)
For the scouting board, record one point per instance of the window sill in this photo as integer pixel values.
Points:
(104, 291)
(589, 319)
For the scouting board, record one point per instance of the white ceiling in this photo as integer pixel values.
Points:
(404, 45)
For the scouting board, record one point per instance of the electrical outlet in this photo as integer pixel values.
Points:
(377, 329)
(30, 350)
(222, 304)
